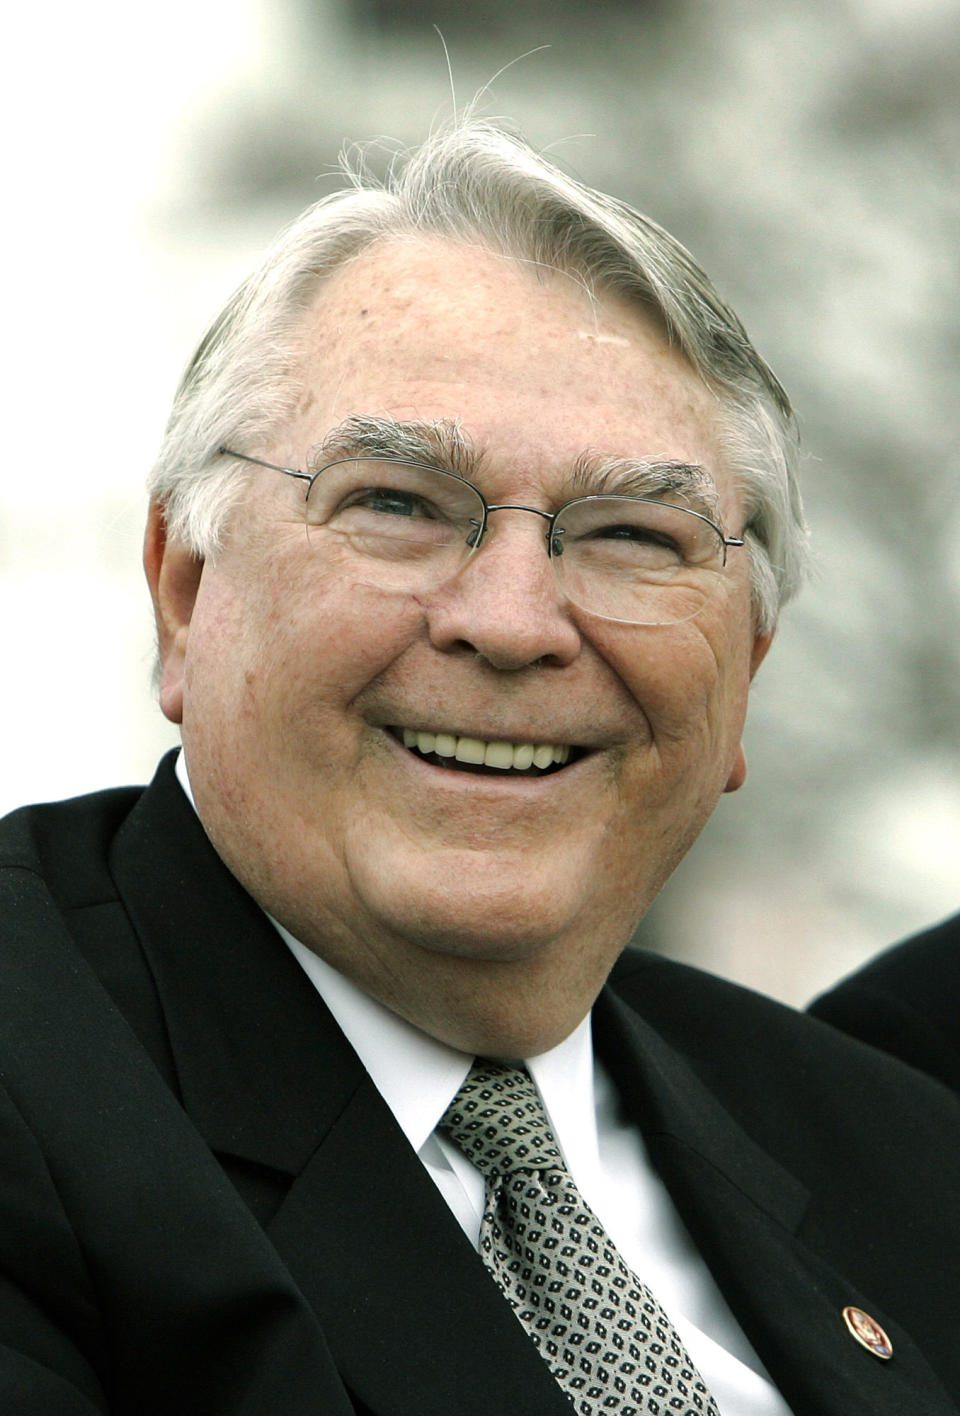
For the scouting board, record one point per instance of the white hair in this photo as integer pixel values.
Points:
(479, 183)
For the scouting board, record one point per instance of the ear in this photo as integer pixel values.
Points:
(173, 574)
(738, 773)
(758, 653)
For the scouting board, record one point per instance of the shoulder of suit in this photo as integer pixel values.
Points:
(641, 975)
(728, 1026)
(65, 843)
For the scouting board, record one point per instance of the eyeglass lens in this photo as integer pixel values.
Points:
(408, 528)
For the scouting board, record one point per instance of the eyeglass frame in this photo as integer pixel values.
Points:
(554, 544)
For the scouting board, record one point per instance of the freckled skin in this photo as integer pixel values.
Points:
(487, 911)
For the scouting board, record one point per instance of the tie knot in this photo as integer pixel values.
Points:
(498, 1121)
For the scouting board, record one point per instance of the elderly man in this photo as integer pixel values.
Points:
(469, 531)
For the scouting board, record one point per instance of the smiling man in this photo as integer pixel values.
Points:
(330, 1084)
(486, 905)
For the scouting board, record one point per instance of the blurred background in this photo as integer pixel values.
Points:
(807, 155)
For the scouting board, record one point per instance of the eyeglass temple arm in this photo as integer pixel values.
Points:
(259, 462)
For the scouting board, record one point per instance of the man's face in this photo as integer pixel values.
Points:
(485, 906)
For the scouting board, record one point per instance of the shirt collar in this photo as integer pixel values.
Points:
(418, 1076)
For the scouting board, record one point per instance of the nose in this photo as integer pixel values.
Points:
(504, 604)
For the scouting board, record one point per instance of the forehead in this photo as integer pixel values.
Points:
(530, 365)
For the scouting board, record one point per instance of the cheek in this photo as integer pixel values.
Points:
(668, 671)
(297, 645)
(690, 682)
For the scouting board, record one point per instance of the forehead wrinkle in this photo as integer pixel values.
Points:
(441, 444)
(594, 475)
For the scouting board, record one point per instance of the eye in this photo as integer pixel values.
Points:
(621, 537)
(377, 500)
(636, 532)
(390, 501)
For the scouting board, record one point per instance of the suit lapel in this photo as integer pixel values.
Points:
(414, 1321)
(745, 1214)
(261, 1066)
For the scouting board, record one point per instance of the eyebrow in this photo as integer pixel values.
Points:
(441, 444)
(444, 445)
(594, 475)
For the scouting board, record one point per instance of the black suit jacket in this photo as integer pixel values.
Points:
(907, 1002)
(206, 1207)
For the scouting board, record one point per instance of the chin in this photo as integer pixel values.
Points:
(488, 914)
(483, 934)
(509, 1007)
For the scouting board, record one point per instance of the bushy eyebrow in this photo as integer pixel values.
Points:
(444, 445)
(440, 444)
(594, 475)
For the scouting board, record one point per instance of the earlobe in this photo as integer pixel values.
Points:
(173, 574)
(761, 644)
(738, 773)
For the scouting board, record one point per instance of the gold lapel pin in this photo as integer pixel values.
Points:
(868, 1333)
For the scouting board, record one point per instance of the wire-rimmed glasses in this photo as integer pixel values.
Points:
(411, 528)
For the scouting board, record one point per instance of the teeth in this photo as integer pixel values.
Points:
(499, 754)
(470, 750)
(507, 756)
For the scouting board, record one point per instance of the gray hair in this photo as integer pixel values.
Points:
(477, 182)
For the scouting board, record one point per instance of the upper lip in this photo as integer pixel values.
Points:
(540, 737)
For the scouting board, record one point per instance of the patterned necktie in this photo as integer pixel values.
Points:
(604, 1336)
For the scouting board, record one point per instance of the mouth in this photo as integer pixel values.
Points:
(460, 753)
